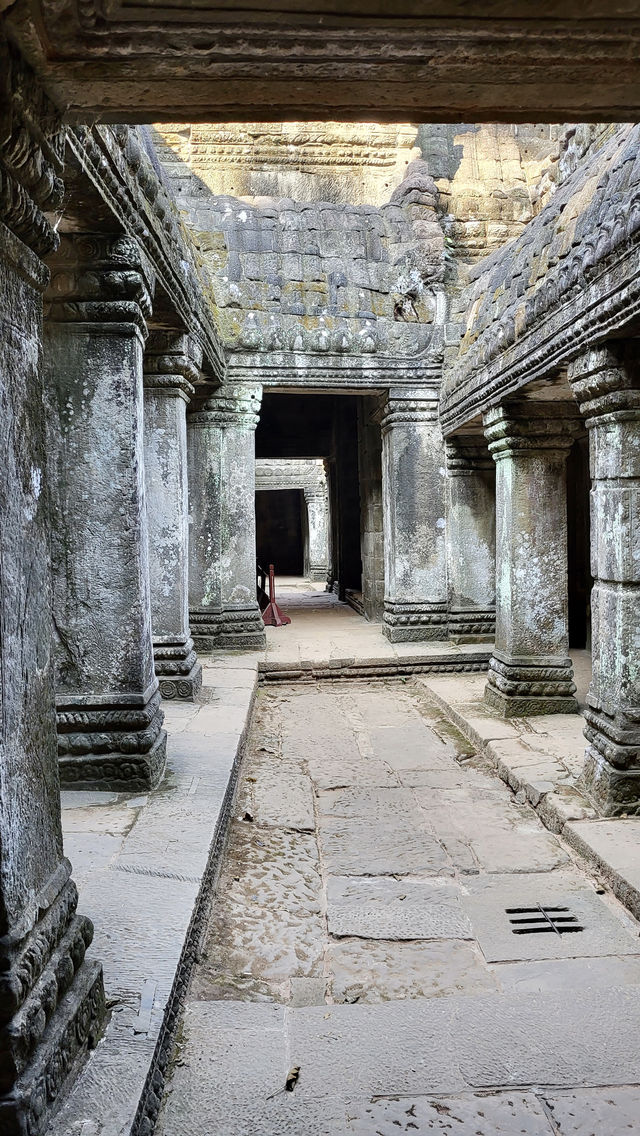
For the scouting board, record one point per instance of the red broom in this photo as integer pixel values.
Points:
(272, 616)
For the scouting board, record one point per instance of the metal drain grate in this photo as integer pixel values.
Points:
(541, 920)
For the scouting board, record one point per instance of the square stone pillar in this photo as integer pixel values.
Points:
(109, 718)
(317, 544)
(223, 606)
(471, 539)
(413, 502)
(530, 671)
(169, 373)
(606, 382)
(51, 995)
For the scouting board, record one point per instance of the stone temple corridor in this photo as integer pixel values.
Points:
(392, 922)
(348, 289)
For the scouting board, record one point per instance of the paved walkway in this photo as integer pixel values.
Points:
(383, 926)
(325, 633)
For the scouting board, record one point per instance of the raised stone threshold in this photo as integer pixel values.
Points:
(146, 865)
(433, 658)
(541, 759)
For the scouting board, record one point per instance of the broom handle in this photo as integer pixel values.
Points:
(272, 584)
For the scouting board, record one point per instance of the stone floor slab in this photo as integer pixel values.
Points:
(499, 1115)
(489, 896)
(356, 848)
(596, 1112)
(365, 971)
(382, 908)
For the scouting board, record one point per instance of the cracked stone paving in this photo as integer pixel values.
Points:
(383, 954)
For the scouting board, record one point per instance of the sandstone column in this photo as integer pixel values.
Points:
(317, 550)
(51, 996)
(413, 494)
(222, 542)
(169, 374)
(530, 671)
(109, 716)
(606, 383)
(471, 539)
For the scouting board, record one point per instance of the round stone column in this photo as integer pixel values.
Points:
(223, 606)
(530, 671)
(413, 497)
(169, 374)
(606, 382)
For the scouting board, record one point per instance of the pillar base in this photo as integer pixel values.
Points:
(472, 625)
(611, 774)
(414, 622)
(116, 746)
(530, 686)
(613, 791)
(318, 574)
(230, 629)
(177, 668)
(45, 1031)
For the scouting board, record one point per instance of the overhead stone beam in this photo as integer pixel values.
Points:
(454, 62)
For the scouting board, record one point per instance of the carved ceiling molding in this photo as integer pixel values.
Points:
(334, 59)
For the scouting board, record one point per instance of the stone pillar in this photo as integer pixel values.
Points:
(169, 374)
(606, 382)
(530, 671)
(471, 539)
(109, 716)
(317, 547)
(413, 494)
(224, 610)
(51, 996)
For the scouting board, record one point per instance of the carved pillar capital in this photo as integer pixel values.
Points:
(606, 381)
(530, 427)
(406, 405)
(467, 455)
(171, 364)
(234, 405)
(99, 278)
(32, 142)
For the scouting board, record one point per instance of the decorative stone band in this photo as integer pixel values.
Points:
(113, 745)
(234, 406)
(530, 427)
(99, 279)
(406, 622)
(468, 625)
(233, 627)
(409, 407)
(530, 686)
(177, 668)
(51, 1006)
(466, 457)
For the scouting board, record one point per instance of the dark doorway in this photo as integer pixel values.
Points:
(279, 530)
(578, 545)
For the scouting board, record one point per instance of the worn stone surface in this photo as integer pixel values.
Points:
(390, 991)
(51, 996)
(471, 540)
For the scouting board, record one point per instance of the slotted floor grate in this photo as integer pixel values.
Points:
(541, 920)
